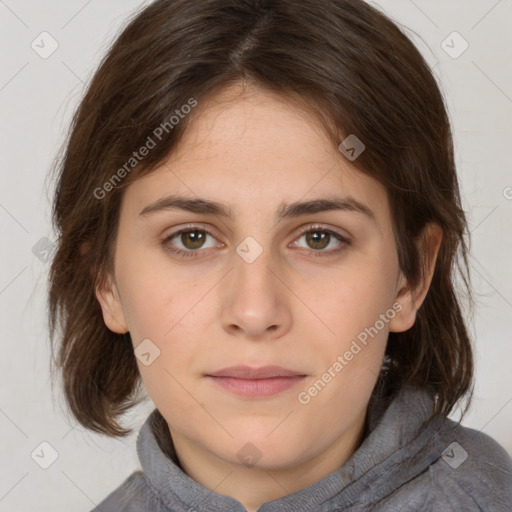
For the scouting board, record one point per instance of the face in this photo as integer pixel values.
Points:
(314, 292)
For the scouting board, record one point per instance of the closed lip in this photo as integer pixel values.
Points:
(248, 372)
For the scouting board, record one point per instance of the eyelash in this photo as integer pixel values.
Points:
(312, 228)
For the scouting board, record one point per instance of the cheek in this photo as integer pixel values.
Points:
(356, 298)
(155, 298)
(357, 311)
(357, 308)
(169, 309)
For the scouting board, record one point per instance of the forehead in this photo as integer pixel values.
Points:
(254, 151)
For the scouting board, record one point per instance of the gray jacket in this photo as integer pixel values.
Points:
(400, 467)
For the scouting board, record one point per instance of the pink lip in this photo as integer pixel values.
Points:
(256, 382)
(247, 372)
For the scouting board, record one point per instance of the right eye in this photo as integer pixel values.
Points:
(191, 239)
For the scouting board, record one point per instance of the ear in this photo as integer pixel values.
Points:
(111, 306)
(109, 299)
(412, 298)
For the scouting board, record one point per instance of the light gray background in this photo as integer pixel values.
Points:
(37, 98)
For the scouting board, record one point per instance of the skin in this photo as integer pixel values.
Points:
(287, 307)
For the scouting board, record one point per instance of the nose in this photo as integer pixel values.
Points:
(255, 299)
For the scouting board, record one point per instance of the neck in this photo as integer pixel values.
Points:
(253, 486)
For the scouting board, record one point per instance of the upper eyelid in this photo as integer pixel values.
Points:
(193, 227)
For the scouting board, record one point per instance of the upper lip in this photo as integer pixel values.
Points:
(248, 372)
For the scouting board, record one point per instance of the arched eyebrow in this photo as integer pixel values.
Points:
(285, 211)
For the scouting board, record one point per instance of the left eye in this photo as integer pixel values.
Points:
(319, 239)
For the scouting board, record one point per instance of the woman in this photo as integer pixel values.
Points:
(260, 221)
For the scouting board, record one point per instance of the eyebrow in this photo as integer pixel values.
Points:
(285, 211)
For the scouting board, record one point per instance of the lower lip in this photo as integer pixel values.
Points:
(257, 388)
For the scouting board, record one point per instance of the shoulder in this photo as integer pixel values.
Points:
(474, 466)
(133, 495)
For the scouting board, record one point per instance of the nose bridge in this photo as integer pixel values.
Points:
(254, 303)
(253, 262)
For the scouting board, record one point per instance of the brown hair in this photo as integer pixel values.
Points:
(344, 62)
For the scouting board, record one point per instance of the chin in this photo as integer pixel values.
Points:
(266, 452)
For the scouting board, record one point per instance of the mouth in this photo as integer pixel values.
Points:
(262, 382)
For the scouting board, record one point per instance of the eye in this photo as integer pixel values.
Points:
(319, 238)
(192, 239)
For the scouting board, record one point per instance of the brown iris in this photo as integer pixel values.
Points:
(193, 239)
(314, 238)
